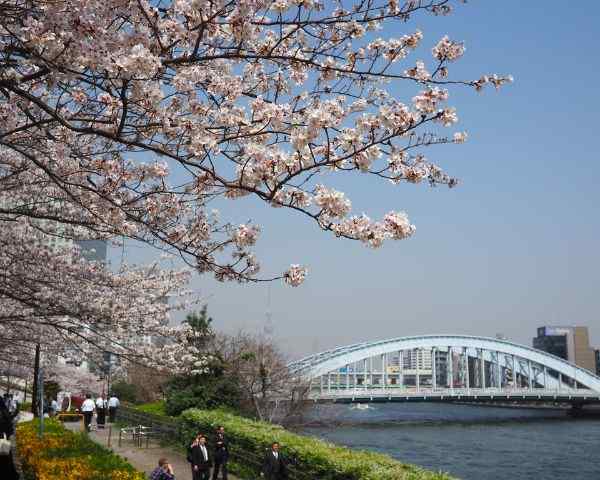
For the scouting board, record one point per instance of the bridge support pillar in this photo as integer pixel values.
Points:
(348, 377)
(499, 370)
(433, 368)
(481, 369)
(450, 372)
(384, 369)
(545, 378)
(559, 380)
(417, 377)
(401, 368)
(466, 367)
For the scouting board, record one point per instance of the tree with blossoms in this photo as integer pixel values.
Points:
(56, 298)
(131, 118)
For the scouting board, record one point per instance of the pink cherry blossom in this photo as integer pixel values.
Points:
(132, 120)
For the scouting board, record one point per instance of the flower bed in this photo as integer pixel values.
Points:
(63, 455)
(311, 458)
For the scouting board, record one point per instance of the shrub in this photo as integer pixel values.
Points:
(311, 458)
(125, 391)
(64, 455)
(201, 391)
(155, 408)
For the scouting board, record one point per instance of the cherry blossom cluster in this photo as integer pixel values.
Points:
(122, 118)
(77, 309)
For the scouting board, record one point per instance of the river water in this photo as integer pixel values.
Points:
(469, 442)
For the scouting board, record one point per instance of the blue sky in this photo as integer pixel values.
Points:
(513, 248)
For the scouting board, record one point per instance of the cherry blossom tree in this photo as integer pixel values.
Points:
(135, 118)
(79, 309)
(74, 380)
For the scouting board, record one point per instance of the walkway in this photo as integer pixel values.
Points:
(145, 459)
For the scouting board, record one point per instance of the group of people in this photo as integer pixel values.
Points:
(100, 406)
(202, 458)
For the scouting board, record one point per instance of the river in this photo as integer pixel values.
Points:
(469, 442)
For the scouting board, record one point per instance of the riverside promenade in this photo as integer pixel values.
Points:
(144, 459)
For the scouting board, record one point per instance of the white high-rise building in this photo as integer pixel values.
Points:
(417, 359)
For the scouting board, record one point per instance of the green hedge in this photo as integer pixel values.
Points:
(311, 458)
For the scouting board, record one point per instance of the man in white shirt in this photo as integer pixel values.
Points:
(113, 405)
(87, 408)
(54, 407)
(101, 411)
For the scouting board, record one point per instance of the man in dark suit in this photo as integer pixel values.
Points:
(200, 459)
(221, 453)
(274, 464)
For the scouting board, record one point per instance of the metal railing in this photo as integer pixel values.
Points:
(455, 393)
(60, 417)
(139, 434)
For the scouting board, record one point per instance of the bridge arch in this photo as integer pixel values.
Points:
(455, 362)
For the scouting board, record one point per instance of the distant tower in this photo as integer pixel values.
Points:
(268, 327)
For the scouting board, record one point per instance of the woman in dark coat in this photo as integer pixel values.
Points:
(7, 467)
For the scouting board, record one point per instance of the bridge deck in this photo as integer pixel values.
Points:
(453, 395)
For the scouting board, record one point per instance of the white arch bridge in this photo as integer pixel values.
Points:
(445, 368)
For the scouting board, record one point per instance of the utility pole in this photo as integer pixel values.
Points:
(40, 404)
(36, 373)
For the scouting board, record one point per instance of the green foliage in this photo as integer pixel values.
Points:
(201, 391)
(125, 391)
(155, 408)
(207, 387)
(311, 457)
(51, 389)
(201, 325)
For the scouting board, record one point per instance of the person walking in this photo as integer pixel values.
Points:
(221, 455)
(113, 405)
(87, 408)
(274, 464)
(54, 407)
(199, 458)
(164, 471)
(101, 411)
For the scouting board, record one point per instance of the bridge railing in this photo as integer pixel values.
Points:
(455, 392)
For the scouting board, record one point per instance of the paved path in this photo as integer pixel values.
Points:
(24, 417)
(143, 459)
